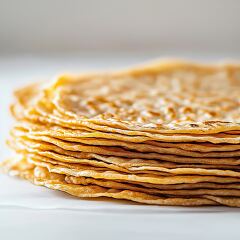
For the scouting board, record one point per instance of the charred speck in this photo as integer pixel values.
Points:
(193, 125)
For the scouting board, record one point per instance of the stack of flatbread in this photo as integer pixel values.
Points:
(166, 134)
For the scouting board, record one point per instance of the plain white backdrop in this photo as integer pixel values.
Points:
(156, 26)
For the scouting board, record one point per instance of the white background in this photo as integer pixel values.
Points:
(70, 26)
(40, 39)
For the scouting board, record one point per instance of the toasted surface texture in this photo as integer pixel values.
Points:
(177, 97)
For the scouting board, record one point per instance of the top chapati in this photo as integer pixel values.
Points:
(173, 97)
(166, 98)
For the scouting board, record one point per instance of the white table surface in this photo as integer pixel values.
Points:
(30, 212)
